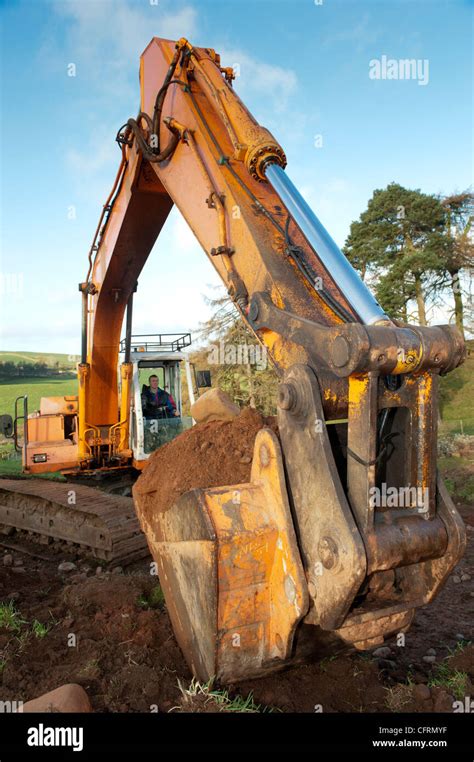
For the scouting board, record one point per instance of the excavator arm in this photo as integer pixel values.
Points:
(235, 214)
(249, 570)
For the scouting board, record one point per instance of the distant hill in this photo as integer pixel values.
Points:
(50, 358)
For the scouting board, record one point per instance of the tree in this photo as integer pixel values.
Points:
(397, 245)
(459, 249)
(239, 364)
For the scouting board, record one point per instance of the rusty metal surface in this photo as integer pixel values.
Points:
(104, 524)
(362, 446)
(407, 553)
(352, 348)
(405, 541)
(230, 569)
(333, 553)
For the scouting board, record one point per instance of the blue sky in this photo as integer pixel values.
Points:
(304, 72)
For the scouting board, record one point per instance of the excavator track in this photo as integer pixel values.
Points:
(102, 525)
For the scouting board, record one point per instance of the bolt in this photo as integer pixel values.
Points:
(340, 352)
(328, 552)
(286, 396)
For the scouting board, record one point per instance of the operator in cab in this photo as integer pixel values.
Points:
(156, 402)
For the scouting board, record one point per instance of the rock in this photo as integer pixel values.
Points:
(117, 570)
(214, 405)
(18, 562)
(66, 698)
(14, 596)
(78, 577)
(459, 636)
(443, 702)
(8, 560)
(382, 653)
(431, 652)
(456, 579)
(66, 566)
(421, 692)
(465, 577)
(99, 570)
(19, 570)
(386, 664)
(246, 459)
(429, 659)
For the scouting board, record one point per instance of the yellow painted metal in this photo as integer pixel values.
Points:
(238, 546)
(262, 587)
(83, 371)
(126, 373)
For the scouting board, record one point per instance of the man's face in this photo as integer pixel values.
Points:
(154, 383)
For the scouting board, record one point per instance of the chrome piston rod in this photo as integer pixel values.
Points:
(340, 269)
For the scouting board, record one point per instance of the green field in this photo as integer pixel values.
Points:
(457, 397)
(35, 388)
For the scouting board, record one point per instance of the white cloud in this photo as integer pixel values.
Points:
(115, 32)
(272, 82)
(102, 152)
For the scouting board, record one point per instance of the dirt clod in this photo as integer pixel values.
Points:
(186, 467)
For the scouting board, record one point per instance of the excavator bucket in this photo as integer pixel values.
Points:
(230, 569)
(252, 585)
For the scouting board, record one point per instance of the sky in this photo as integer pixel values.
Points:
(304, 71)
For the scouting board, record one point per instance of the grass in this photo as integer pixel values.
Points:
(12, 620)
(454, 681)
(398, 697)
(221, 698)
(10, 617)
(459, 477)
(457, 397)
(35, 387)
(39, 630)
(154, 600)
(451, 680)
(90, 669)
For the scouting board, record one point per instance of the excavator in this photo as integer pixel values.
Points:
(307, 557)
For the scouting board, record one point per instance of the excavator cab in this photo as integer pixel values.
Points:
(158, 355)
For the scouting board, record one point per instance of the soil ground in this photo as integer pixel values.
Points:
(109, 630)
(126, 657)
